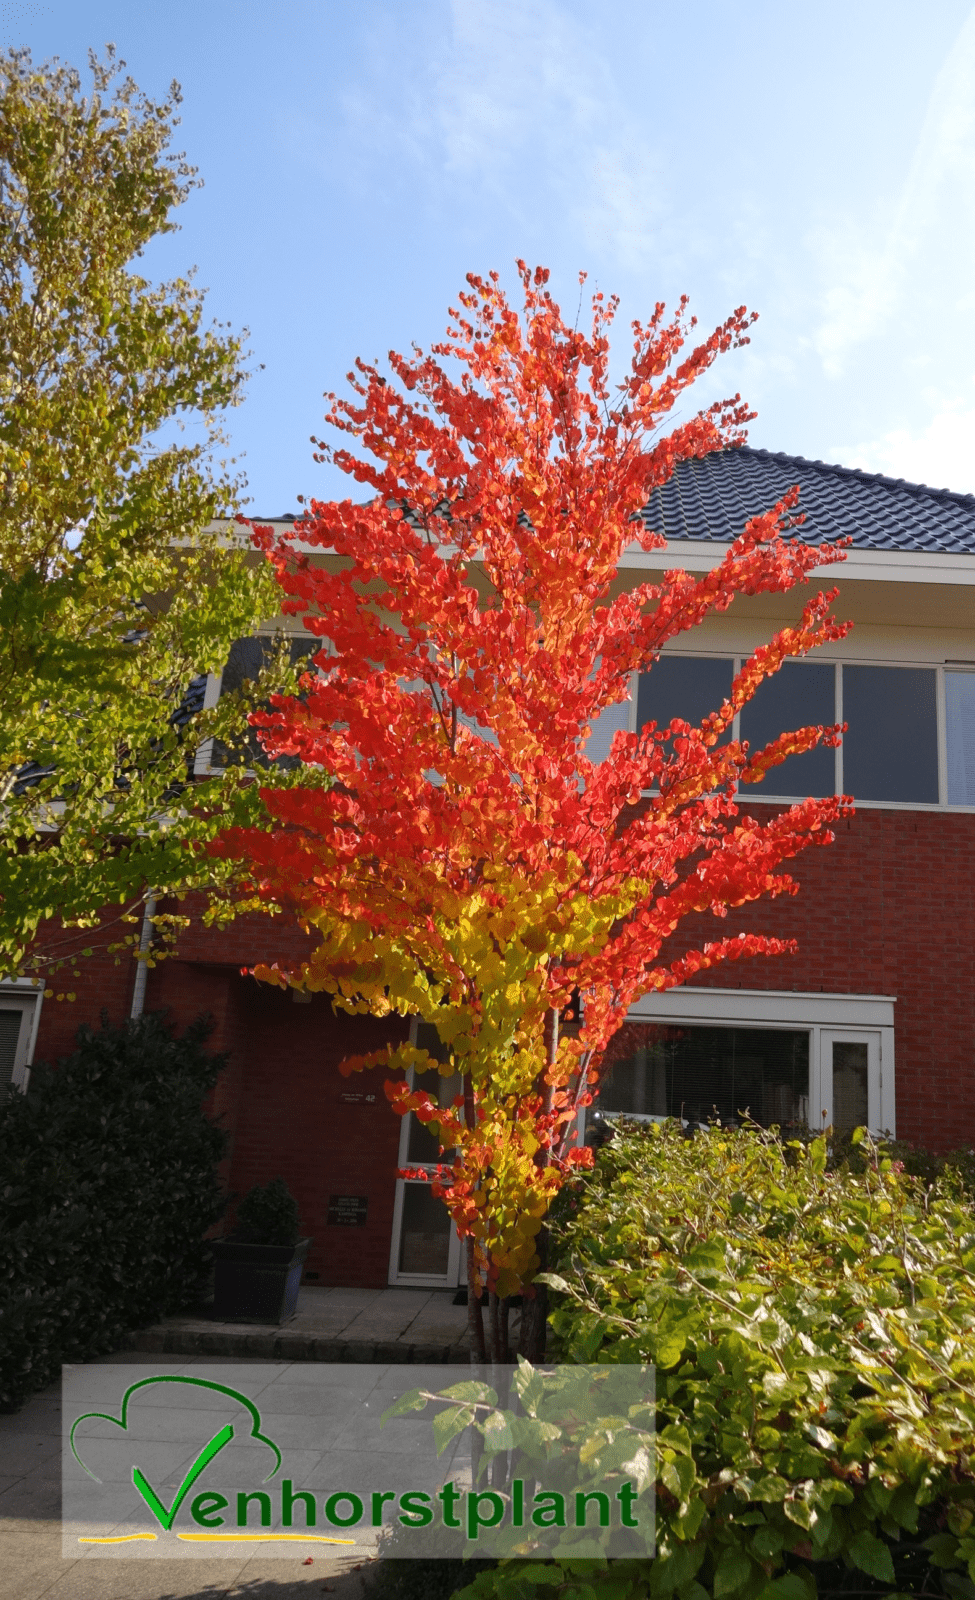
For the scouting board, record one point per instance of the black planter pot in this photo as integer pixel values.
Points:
(256, 1282)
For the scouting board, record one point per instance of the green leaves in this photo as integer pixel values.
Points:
(821, 1408)
(871, 1555)
(117, 587)
(108, 1182)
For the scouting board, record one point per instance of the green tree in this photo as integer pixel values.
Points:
(115, 591)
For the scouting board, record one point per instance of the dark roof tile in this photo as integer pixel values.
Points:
(713, 498)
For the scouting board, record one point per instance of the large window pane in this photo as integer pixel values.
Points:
(960, 719)
(683, 686)
(850, 1085)
(800, 694)
(422, 1144)
(655, 1070)
(891, 749)
(425, 1237)
(247, 659)
(9, 1038)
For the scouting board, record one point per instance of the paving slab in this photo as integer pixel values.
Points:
(332, 1324)
(347, 1325)
(31, 1564)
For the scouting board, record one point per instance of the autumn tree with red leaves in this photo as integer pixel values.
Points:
(470, 865)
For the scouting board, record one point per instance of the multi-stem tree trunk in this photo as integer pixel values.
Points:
(534, 1305)
(475, 1315)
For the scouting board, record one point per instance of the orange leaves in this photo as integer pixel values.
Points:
(350, 1064)
(469, 864)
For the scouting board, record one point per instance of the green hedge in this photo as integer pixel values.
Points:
(108, 1183)
(813, 1332)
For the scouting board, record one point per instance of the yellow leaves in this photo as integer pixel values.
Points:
(406, 1056)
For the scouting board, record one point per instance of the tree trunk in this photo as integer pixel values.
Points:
(534, 1305)
(475, 1318)
(534, 1310)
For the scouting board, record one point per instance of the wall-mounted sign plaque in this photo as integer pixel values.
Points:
(347, 1210)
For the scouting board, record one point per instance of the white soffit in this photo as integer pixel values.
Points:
(780, 1006)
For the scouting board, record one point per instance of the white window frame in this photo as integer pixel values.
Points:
(855, 1017)
(760, 793)
(21, 994)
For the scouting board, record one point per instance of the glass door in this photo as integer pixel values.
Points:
(850, 1088)
(425, 1250)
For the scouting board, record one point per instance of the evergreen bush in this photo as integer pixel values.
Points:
(108, 1183)
(268, 1214)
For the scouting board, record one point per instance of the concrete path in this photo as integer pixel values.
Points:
(421, 1325)
(31, 1564)
(332, 1325)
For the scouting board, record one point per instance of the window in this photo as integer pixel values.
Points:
(960, 737)
(801, 694)
(891, 752)
(891, 749)
(20, 1004)
(9, 1037)
(698, 1073)
(683, 686)
(824, 1059)
(247, 659)
(425, 1248)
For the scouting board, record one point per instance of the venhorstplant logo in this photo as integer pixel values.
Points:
(203, 1506)
(569, 1474)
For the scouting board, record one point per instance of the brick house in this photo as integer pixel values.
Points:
(872, 1021)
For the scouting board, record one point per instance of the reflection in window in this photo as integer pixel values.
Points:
(425, 1236)
(891, 749)
(800, 694)
(688, 687)
(248, 657)
(657, 1070)
(9, 1038)
(422, 1144)
(603, 728)
(850, 1085)
(960, 730)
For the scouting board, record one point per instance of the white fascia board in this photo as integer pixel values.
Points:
(779, 1006)
(699, 555)
(879, 566)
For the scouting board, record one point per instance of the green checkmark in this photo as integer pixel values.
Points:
(206, 1455)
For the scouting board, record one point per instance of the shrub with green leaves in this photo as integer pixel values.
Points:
(268, 1214)
(814, 1337)
(108, 1182)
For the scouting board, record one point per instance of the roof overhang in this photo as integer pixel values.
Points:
(875, 566)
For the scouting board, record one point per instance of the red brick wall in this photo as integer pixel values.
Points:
(103, 981)
(887, 909)
(281, 1100)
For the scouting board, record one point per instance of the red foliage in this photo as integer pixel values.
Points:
(469, 863)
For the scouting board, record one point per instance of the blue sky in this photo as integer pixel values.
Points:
(816, 163)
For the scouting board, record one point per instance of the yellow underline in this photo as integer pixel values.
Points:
(121, 1538)
(236, 1538)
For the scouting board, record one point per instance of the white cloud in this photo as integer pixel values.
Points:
(521, 107)
(876, 266)
(942, 454)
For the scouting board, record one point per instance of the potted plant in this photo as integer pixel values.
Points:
(257, 1267)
